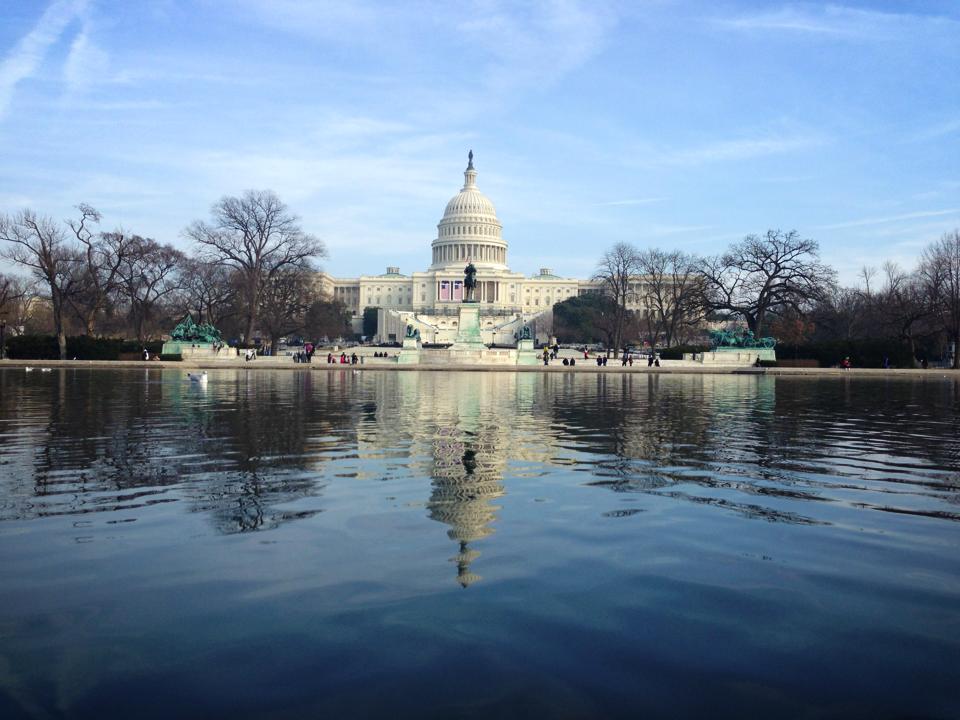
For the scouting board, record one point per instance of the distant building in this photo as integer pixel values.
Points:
(468, 232)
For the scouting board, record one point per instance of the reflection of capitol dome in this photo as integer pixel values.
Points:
(463, 486)
(470, 229)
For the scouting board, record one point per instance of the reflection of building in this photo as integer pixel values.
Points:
(464, 483)
(454, 426)
(468, 232)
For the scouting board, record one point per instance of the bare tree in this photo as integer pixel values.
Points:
(285, 301)
(845, 313)
(326, 318)
(101, 258)
(12, 290)
(149, 274)
(41, 244)
(618, 271)
(903, 310)
(671, 292)
(207, 290)
(868, 273)
(257, 236)
(766, 276)
(940, 273)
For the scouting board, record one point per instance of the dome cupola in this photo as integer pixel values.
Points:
(469, 229)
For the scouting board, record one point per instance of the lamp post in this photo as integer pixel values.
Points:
(3, 338)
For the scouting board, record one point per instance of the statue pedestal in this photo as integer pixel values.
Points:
(410, 352)
(526, 355)
(468, 329)
(733, 356)
(190, 350)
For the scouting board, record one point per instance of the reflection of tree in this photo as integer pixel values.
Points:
(640, 427)
(254, 439)
(656, 434)
(119, 441)
(773, 440)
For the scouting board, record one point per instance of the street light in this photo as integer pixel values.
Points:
(3, 337)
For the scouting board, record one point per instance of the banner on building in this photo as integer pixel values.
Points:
(444, 289)
(458, 290)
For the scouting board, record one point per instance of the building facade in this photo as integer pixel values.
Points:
(469, 231)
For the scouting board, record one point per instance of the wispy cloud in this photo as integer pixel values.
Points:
(22, 62)
(629, 201)
(731, 150)
(86, 63)
(889, 219)
(937, 131)
(786, 19)
(832, 21)
(538, 46)
(665, 230)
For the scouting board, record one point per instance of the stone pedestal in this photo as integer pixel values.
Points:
(410, 352)
(526, 355)
(468, 329)
(195, 350)
(732, 356)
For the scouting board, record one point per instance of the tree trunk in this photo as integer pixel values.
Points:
(138, 319)
(253, 292)
(57, 302)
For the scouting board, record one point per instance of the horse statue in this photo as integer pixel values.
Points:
(470, 282)
(189, 331)
(740, 339)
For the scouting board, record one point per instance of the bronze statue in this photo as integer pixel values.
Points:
(740, 338)
(470, 283)
(524, 334)
(188, 331)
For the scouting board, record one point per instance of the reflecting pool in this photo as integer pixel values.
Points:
(477, 545)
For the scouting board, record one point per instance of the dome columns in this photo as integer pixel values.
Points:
(469, 229)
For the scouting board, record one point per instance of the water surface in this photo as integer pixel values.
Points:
(437, 545)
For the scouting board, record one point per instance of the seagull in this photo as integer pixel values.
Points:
(28, 369)
(198, 377)
(46, 369)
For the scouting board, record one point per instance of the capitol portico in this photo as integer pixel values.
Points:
(469, 231)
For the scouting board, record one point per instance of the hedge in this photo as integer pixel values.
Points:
(677, 351)
(82, 347)
(862, 353)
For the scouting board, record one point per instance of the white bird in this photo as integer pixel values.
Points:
(28, 369)
(46, 369)
(198, 377)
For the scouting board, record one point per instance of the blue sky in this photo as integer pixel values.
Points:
(670, 124)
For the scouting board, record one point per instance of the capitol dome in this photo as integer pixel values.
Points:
(469, 229)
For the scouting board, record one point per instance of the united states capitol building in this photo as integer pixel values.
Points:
(469, 231)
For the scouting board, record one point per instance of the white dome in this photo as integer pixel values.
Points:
(471, 204)
(469, 229)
